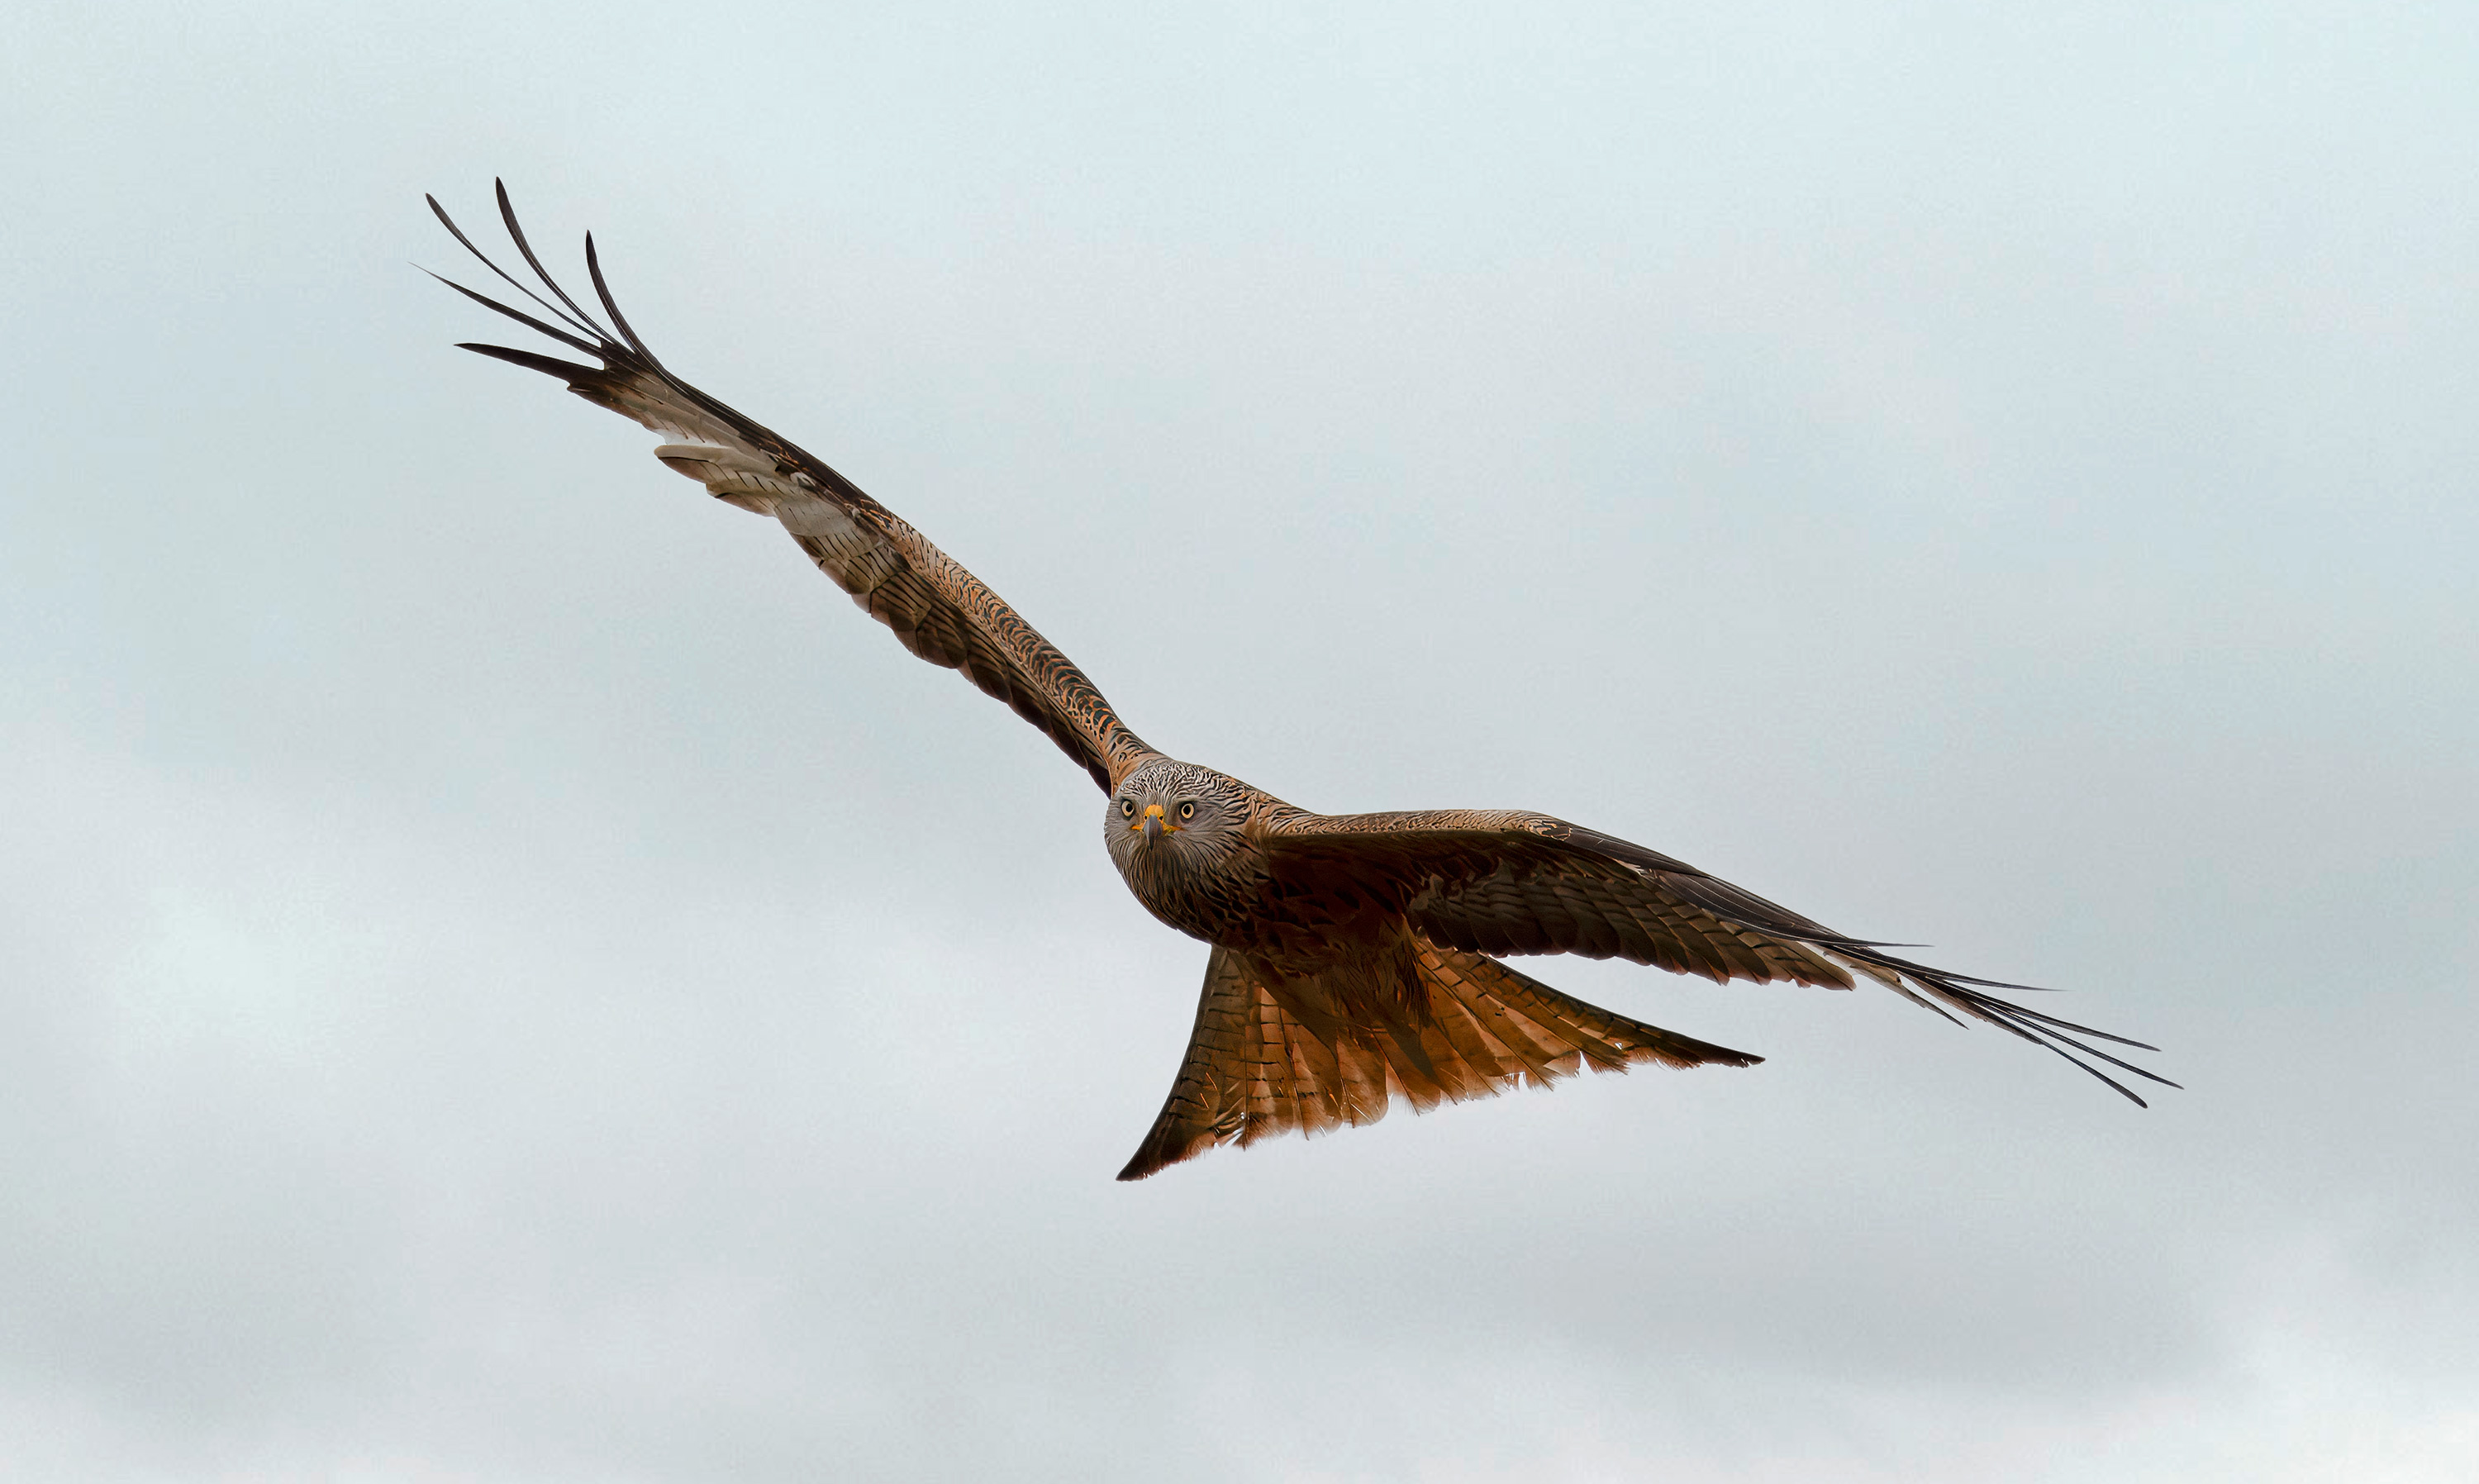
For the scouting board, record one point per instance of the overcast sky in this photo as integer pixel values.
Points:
(504, 975)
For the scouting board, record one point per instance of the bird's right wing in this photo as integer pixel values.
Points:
(938, 610)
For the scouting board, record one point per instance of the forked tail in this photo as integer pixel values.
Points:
(1273, 1054)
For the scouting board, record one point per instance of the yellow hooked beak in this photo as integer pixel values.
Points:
(1152, 822)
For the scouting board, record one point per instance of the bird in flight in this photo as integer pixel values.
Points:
(1355, 958)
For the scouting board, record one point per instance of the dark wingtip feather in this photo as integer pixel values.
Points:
(517, 235)
(610, 306)
(2068, 1025)
(484, 258)
(2038, 1029)
(1951, 1017)
(519, 316)
(548, 365)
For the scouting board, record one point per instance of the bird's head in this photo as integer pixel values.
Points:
(1168, 811)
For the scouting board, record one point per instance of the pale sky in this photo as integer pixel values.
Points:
(506, 976)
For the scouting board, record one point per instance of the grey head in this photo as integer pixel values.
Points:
(1170, 820)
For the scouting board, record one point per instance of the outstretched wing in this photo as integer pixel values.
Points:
(938, 610)
(1503, 881)
(1271, 1055)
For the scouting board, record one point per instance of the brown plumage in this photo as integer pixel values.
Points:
(1353, 955)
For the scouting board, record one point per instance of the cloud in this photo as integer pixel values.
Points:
(502, 976)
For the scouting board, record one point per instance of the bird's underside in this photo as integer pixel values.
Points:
(1354, 957)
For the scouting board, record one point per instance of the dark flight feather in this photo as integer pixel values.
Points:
(484, 258)
(517, 235)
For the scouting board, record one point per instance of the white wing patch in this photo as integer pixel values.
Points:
(856, 557)
(748, 481)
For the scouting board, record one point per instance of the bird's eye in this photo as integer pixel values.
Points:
(1188, 810)
(1127, 808)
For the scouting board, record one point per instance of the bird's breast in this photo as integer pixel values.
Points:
(1202, 899)
(1236, 903)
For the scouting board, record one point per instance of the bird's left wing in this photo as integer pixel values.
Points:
(938, 610)
(1505, 882)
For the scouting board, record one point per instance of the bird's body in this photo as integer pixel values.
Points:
(1354, 957)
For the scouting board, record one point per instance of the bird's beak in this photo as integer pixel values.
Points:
(1153, 825)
